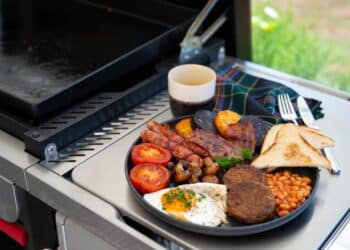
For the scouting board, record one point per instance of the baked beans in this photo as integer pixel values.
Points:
(289, 189)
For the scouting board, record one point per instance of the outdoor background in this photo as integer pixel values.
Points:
(307, 38)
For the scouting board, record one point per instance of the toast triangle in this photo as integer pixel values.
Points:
(316, 138)
(291, 149)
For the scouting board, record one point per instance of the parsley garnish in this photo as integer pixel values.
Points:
(247, 154)
(185, 196)
(226, 163)
(202, 197)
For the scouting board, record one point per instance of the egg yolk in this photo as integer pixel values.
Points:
(178, 200)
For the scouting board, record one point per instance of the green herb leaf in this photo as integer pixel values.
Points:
(202, 197)
(247, 154)
(226, 163)
(191, 193)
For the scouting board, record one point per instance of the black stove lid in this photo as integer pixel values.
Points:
(53, 53)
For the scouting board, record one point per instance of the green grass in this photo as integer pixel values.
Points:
(281, 44)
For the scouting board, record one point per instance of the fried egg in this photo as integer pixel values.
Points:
(199, 203)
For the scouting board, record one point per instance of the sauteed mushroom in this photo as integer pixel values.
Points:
(195, 171)
(181, 174)
(211, 168)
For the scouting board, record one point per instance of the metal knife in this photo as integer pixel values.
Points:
(309, 121)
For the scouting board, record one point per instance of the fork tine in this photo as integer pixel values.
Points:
(283, 106)
(290, 105)
(285, 101)
(280, 107)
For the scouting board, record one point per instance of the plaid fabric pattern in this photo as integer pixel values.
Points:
(250, 95)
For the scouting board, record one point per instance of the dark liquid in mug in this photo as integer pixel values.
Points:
(182, 108)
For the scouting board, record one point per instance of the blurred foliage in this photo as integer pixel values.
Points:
(281, 44)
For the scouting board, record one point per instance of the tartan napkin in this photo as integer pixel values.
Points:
(250, 95)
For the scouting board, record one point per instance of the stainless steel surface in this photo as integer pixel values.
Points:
(13, 160)
(336, 169)
(339, 240)
(75, 237)
(286, 108)
(94, 142)
(96, 215)
(212, 29)
(309, 121)
(61, 234)
(103, 175)
(9, 207)
(199, 19)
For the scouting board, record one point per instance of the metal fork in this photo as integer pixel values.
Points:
(286, 108)
(288, 113)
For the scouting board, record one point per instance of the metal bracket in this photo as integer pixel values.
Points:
(51, 153)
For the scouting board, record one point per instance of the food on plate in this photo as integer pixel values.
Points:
(289, 189)
(150, 153)
(185, 171)
(270, 138)
(250, 202)
(204, 119)
(182, 173)
(242, 173)
(290, 149)
(226, 163)
(216, 145)
(173, 138)
(244, 133)
(316, 138)
(192, 158)
(177, 150)
(200, 203)
(261, 127)
(210, 179)
(225, 118)
(163, 129)
(312, 136)
(195, 171)
(184, 127)
(211, 167)
(148, 177)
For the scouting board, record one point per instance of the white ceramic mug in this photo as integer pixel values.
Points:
(191, 87)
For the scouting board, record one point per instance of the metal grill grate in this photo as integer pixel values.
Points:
(76, 122)
(110, 132)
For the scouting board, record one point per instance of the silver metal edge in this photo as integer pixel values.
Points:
(268, 72)
(95, 215)
(337, 231)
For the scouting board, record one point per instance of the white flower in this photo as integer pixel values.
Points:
(271, 12)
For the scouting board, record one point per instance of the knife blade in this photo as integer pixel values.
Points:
(305, 113)
(309, 120)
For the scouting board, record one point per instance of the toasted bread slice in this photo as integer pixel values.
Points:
(315, 137)
(312, 136)
(291, 150)
(270, 137)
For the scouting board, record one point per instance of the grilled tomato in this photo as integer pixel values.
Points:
(147, 177)
(184, 128)
(150, 153)
(225, 118)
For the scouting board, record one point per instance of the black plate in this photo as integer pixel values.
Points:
(234, 228)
